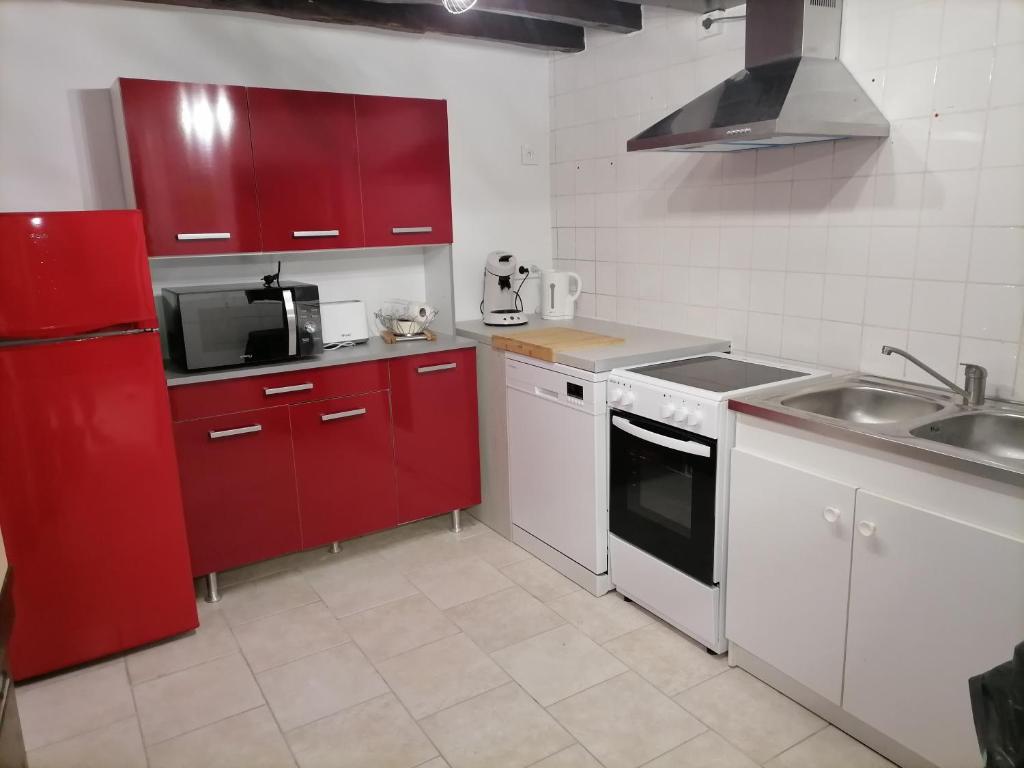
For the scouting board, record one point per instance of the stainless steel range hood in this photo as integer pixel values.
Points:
(793, 90)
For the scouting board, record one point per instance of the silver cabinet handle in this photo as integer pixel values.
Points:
(411, 230)
(204, 235)
(269, 391)
(218, 434)
(316, 233)
(436, 368)
(342, 415)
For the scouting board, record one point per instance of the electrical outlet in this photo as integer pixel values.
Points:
(703, 30)
(529, 155)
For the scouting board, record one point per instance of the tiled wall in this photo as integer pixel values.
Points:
(823, 252)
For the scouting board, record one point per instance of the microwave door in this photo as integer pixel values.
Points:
(224, 328)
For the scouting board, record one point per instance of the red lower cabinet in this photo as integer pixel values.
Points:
(344, 461)
(265, 482)
(436, 435)
(238, 488)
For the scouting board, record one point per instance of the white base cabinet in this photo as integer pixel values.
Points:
(878, 610)
(933, 602)
(789, 569)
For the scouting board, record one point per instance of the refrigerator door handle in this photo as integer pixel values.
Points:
(289, 315)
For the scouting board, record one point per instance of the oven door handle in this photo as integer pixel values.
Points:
(683, 446)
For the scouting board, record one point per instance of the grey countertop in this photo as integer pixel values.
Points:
(892, 436)
(374, 349)
(642, 345)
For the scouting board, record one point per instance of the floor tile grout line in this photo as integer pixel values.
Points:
(135, 712)
(201, 727)
(263, 696)
(135, 709)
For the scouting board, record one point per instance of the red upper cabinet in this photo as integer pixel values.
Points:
(307, 169)
(437, 448)
(189, 154)
(403, 160)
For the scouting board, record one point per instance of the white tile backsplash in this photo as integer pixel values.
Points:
(821, 252)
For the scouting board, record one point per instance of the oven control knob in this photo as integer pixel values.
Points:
(695, 418)
(628, 398)
(667, 410)
(681, 414)
(616, 395)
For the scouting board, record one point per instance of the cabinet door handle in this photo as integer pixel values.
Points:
(316, 233)
(270, 391)
(866, 528)
(342, 414)
(411, 230)
(216, 434)
(436, 368)
(204, 235)
(831, 514)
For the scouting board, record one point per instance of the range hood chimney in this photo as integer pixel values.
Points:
(793, 90)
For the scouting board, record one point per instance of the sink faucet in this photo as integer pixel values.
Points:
(973, 391)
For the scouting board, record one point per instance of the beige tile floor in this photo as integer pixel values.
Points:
(419, 647)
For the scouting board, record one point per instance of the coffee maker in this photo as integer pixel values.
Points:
(503, 278)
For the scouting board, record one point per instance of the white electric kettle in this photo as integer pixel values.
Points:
(558, 301)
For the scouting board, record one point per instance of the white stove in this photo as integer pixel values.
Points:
(670, 436)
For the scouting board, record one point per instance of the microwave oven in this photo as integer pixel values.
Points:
(216, 326)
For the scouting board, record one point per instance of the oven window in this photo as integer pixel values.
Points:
(662, 496)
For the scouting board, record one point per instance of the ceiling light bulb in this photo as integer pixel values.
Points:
(458, 6)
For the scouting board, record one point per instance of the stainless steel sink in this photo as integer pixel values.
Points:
(994, 433)
(864, 404)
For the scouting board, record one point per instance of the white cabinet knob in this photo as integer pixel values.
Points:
(695, 418)
(616, 395)
(866, 528)
(628, 398)
(667, 410)
(681, 414)
(831, 514)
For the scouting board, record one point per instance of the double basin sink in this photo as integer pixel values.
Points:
(992, 433)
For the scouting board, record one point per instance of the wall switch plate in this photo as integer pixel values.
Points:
(714, 30)
(529, 155)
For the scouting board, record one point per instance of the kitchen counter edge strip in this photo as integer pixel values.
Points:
(373, 350)
(893, 443)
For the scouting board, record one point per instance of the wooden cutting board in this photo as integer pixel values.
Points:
(545, 343)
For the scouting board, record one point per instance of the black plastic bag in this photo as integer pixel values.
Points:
(997, 698)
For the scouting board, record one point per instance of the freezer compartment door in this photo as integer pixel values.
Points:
(90, 505)
(73, 272)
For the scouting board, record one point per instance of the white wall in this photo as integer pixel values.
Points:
(57, 149)
(824, 252)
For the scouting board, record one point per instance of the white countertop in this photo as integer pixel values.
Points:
(642, 345)
(374, 349)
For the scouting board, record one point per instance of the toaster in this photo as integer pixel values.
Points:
(344, 322)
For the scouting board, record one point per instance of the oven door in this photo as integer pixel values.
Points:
(238, 327)
(662, 492)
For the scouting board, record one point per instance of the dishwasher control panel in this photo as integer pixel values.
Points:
(556, 386)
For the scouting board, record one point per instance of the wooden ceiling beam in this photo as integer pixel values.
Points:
(612, 15)
(416, 18)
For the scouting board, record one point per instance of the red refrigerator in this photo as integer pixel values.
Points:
(90, 506)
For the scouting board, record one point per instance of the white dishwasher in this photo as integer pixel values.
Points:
(558, 467)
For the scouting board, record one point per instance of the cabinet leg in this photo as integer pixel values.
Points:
(335, 547)
(456, 520)
(212, 590)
